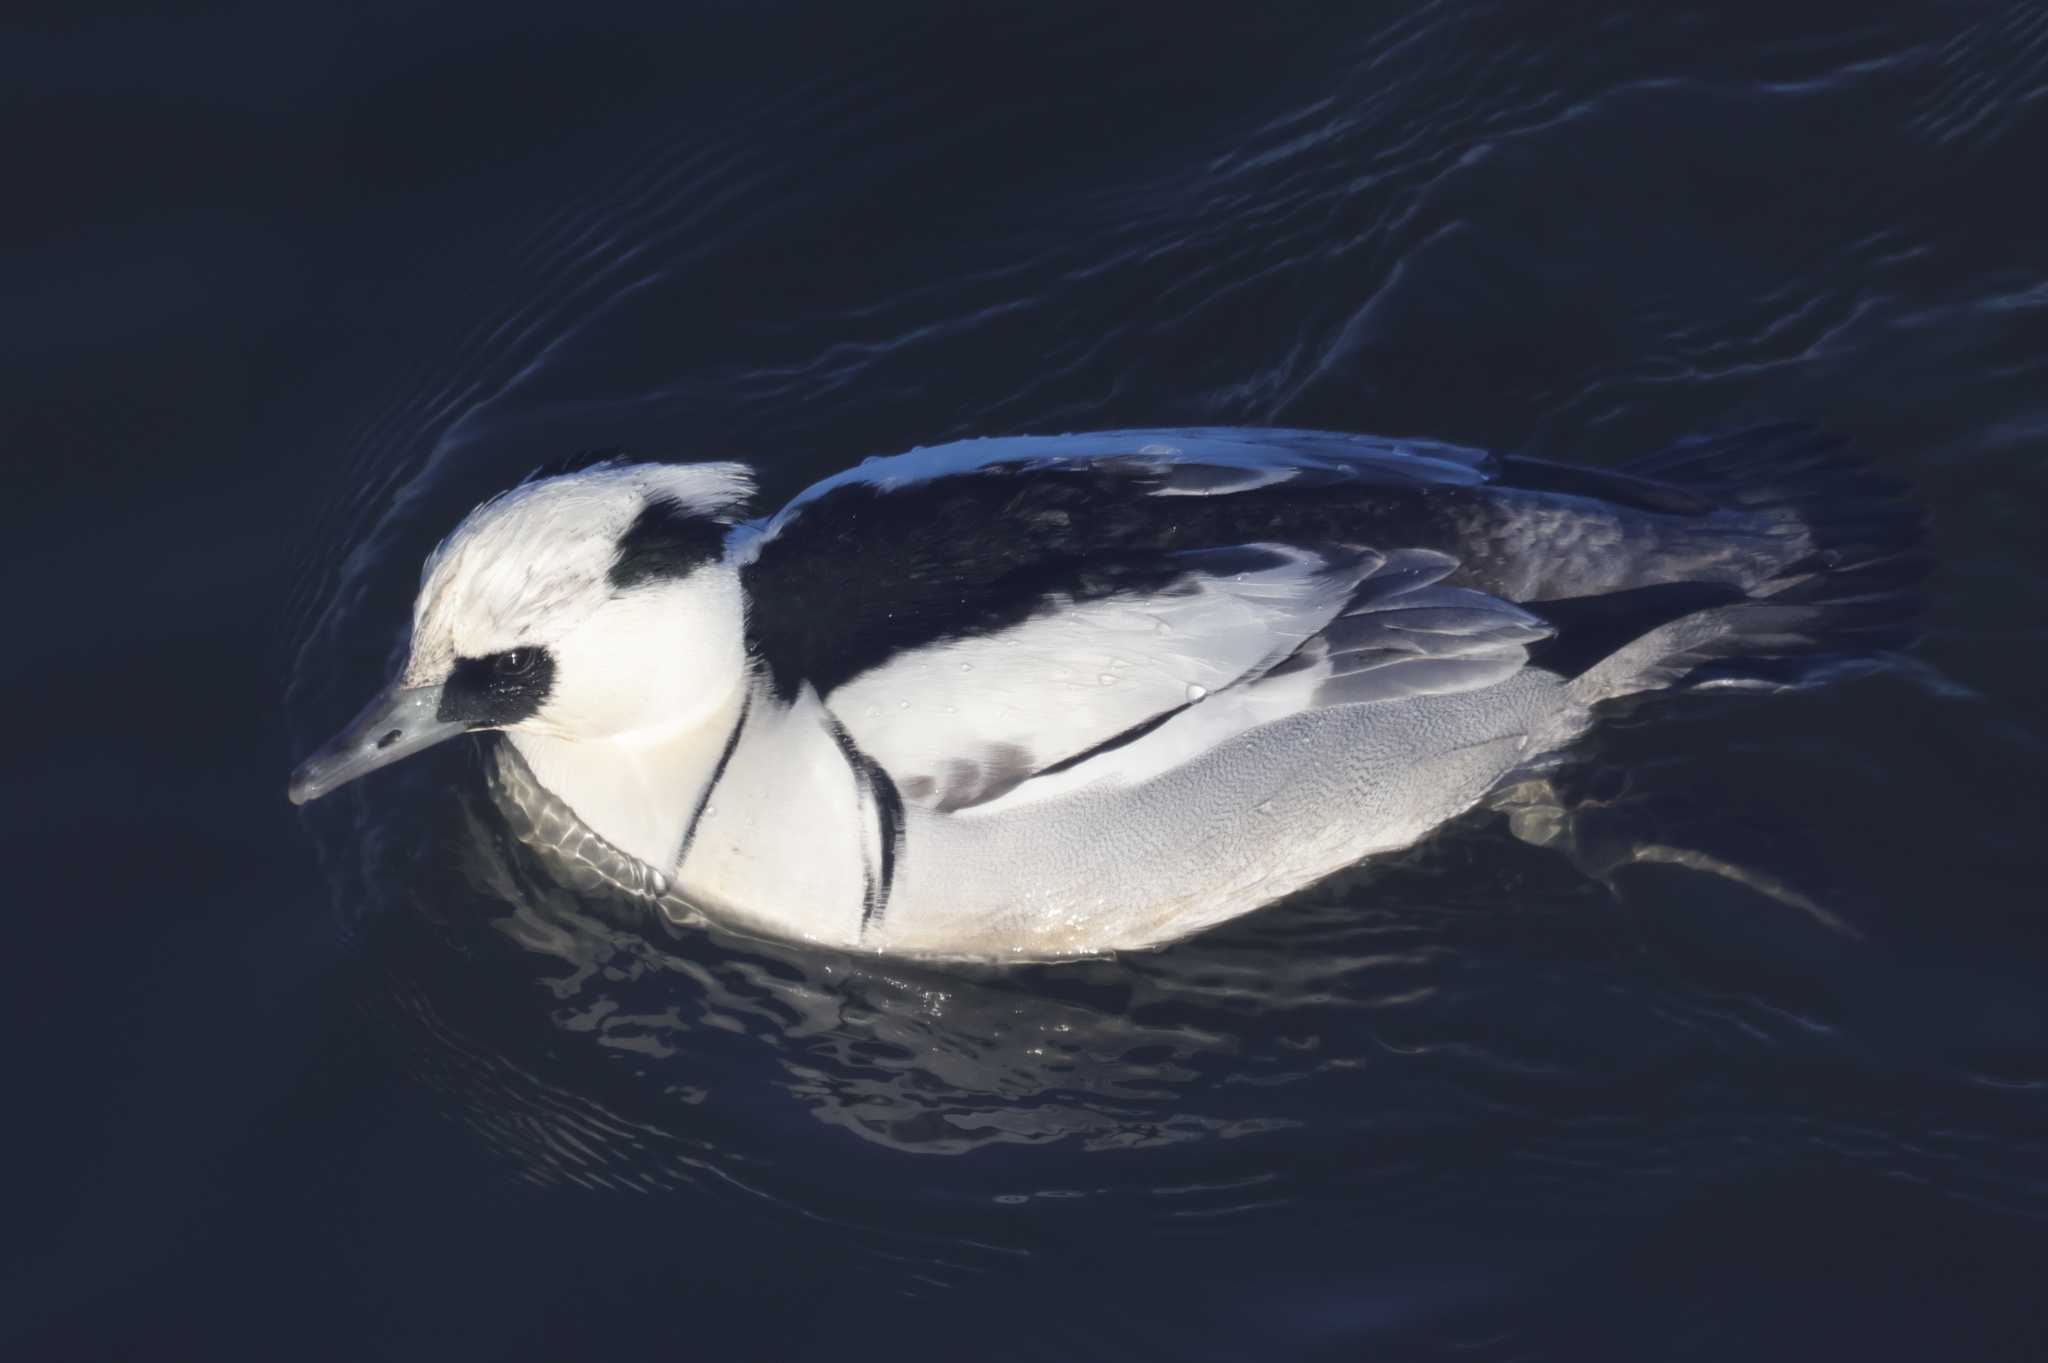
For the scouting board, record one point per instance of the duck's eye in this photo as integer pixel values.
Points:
(498, 690)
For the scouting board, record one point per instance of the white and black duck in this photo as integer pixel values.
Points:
(1043, 696)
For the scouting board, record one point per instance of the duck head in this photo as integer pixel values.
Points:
(595, 605)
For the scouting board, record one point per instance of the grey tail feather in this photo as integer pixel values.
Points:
(1848, 599)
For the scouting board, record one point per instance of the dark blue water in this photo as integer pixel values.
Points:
(289, 289)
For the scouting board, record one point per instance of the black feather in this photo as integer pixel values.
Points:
(1590, 628)
(666, 540)
(866, 572)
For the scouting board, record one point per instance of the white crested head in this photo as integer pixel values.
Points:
(529, 566)
(592, 605)
(595, 605)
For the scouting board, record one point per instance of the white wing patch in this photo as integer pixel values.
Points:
(1400, 637)
(961, 722)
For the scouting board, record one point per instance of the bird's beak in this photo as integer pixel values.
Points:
(398, 723)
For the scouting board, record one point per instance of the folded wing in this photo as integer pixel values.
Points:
(979, 615)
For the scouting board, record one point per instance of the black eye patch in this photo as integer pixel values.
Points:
(498, 690)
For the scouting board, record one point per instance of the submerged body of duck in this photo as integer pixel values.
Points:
(1044, 696)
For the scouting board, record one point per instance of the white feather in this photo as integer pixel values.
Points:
(965, 719)
(529, 565)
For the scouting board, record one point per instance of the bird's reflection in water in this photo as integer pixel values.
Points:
(697, 1031)
(1471, 1030)
(947, 1057)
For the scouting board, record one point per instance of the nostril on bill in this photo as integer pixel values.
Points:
(388, 739)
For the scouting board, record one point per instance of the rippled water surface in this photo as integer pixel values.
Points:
(368, 1082)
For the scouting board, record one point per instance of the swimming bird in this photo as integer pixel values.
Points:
(1057, 695)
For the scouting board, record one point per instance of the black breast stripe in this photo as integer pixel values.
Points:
(888, 802)
(889, 831)
(732, 743)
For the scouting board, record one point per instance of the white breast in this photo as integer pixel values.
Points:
(787, 841)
